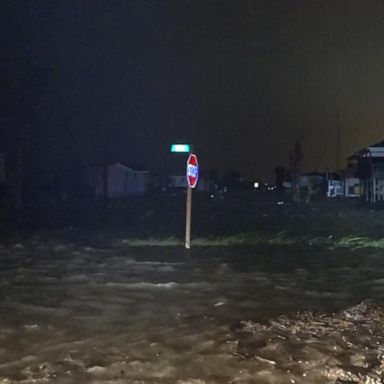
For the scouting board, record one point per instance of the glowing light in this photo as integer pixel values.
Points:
(256, 185)
(183, 148)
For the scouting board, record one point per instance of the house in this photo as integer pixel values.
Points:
(370, 169)
(118, 180)
(352, 184)
(335, 187)
(312, 184)
(312, 179)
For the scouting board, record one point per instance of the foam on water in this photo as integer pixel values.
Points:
(142, 285)
(80, 314)
(152, 263)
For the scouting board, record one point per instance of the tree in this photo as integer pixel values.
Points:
(295, 161)
(280, 174)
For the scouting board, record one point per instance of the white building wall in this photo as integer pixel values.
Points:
(122, 181)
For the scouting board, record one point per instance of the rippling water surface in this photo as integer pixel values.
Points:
(71, 314)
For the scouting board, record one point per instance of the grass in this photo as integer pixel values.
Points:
(360, 242)
(252, 239)
(233, 220)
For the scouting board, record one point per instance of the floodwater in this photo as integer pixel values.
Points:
(77, 314)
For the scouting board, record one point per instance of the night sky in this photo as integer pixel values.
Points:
(241, 80)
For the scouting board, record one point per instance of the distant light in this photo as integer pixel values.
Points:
(256, 185)
(183, 148)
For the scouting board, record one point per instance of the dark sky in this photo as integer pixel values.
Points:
(239, 79)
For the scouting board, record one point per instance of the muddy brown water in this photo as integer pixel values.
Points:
(71, 314)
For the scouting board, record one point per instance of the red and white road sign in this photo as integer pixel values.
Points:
(192, 170)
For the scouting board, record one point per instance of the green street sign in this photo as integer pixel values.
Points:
(183, 148)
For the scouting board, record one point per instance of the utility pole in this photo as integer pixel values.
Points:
(338, 141)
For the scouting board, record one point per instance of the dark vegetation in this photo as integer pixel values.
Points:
(244, 214)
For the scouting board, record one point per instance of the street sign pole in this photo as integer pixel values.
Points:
(192, 178)
(188, 218)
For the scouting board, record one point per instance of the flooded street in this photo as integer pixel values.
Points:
(76, 314)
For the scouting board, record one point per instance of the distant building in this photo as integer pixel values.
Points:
(335, 188)
(177, 181)
(351, 180)
(118, 180)
(369, 162)
(180, 181)
(312, 179)
(310, 185)
(328, 184)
